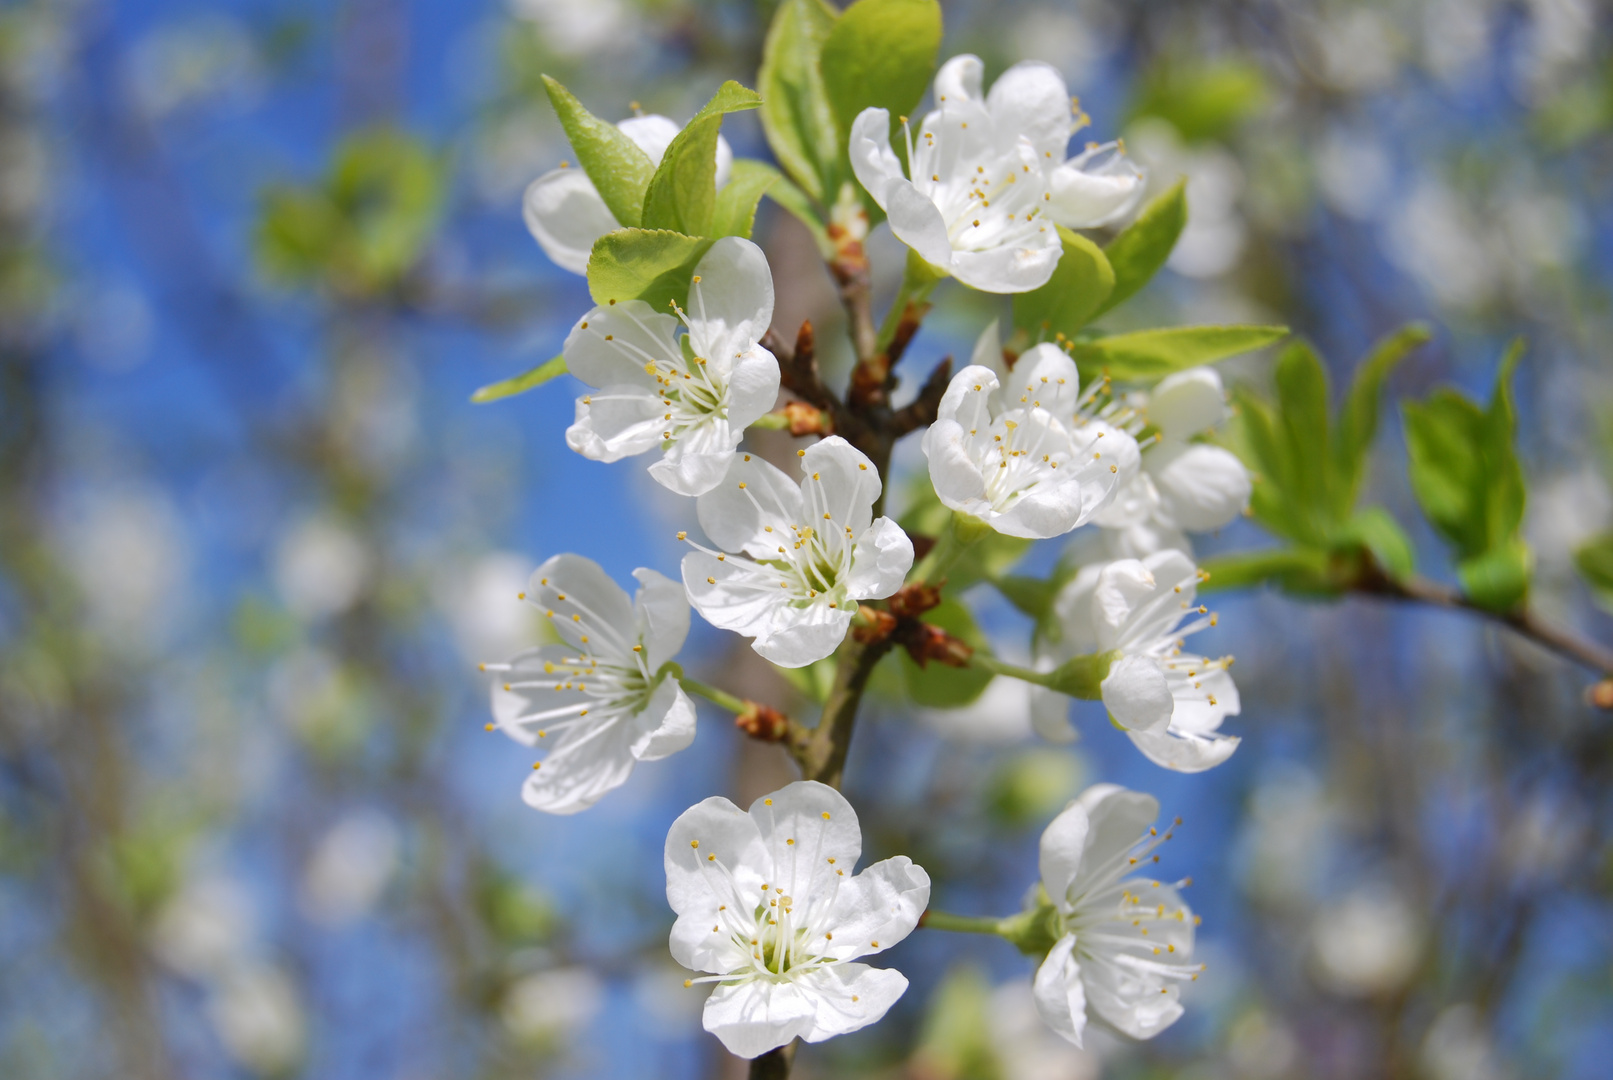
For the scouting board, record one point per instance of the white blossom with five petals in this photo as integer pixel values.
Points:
(989, 178)
(1125, 943)
(768, 905)
(1013, 450)
(795, 558)
(1170, 702)
(565, 212)
(691, 397)
(601, 701)
(1183, 486)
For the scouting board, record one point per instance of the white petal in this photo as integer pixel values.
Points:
(1012, 268)
(1030, 100)
(1117, 818)
(572, 585)
(511, 706)
(736, 598)
(823, 826)
(988, 351)
(736, 517)
(1137, 695)
(1049, 510)
(1063, 846)
(840, 480)
(872, 159)
(1122, 587)
(1050, 715)
(1060, 1000)
(565, 214)
(1142, 1008)
(959, 80)
(1072, 610)
(617, 422)
(880, 905)
(880, 563)
(1189, 754)
(753, 1017)
(849, 997)
(1133, 504)
(730, 300)
(1096, 188)
(957, 479)
(661, 611)
(694, 885)
(752, 387)
(725, 162)
(611, 345)
(1046, 375)
(1201, 487)
(586, 765)
(916, 222)
(802, 636)
(1188, 402)
(1146, 538)
(665, 725)
(968, 396)
(699, 460)
(653, 133)
(1194, 714)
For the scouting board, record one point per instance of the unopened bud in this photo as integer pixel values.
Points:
(871, 625)
(926, 643)
(762, 722)
(911, 601)
(804, 419)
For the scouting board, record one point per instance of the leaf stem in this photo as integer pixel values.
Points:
(723, 698)
(962, 924)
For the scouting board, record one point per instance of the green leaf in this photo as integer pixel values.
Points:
(618, 168)
(1152, 354)
(653, 265)
(936, 685)
(735, 213)
(1595, 561)
(1507, 489)
(521, 383)
(1297, 569)
(1376, 529)
(1302, 404)
(796, 203)
(1080, 284)
(682, 195)
(796, 115)
(880, 54)
(1498, 579)
(1137, 253)
(1202, 100)
(1032, 596)
(1358, 418)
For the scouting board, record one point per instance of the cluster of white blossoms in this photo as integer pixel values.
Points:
(770, 908)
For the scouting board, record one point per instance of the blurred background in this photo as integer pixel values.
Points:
(254, 258)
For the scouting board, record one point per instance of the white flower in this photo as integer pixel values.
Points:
(564, 211)
(1170, 702)
(689, 397)
(989, 177)
(601, 700)
(1183, 486)
(810, 552)
(1015, 453)
(767, 902)
(1125, 942)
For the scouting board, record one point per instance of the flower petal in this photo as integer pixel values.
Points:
(1188, 754)
(803, 825)
(565, 214)
(1060, 998)
(695, 885)
(699, 459)
(959, 80)
(653, 133)
(1200, 487)
(753, 495)
(586, 765)
(617, 422)
(1046, 377)
(877, 908)
(880, 563)
(612, 345)
(1187, 403)
(1063, 847)
(1095, 188)
(840, 480)
(916, 222)
(1117, 818)
(849, 997)
(1137, 694)
(737, 595)
(666, 723)
(988, 351)
(1011, 268)
(1030, 100)
(730, 300)
(872, 159)
(753, 386)
(751, 1018)
(957, 479)
(571, 585)
(802, 636)
(661, 612)
(514, 709)
(1194, 714)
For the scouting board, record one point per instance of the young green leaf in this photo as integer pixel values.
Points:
(1137, 253)
(520, 384)
(619, 169)
(880, 54)
(1358, 418)
(1081, 282)
(1594, 558)
(1302, 395)
(682, 195)
(1376, 530)
(1296, 569)
(1498, 579)
(796, 115)
(735, 213)
(653, 265)
(1152, 354)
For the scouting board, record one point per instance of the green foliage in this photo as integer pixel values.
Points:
(986, 559)
(1031, 787)
(796, 115)
(735, 213)
(1203, 100)
(643, 264)
(682, 195)
(1594, 558)
(1137, 254)
(1467, 478)
(936, 685)
(795, 201)
(1080, 284)
(1358, 418)
(880, 54)
(363, 226)
(1153, 354)
(956, 1040)
(618, 168)
(521, 383)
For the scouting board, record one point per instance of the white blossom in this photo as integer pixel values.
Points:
(989, 179)
(1183, 486)
(1015, 451)
(1170, 702)
(565, 212)
(1125, 943)
(601, 701)
(690, 397)
(767, 904)
(795, 558)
